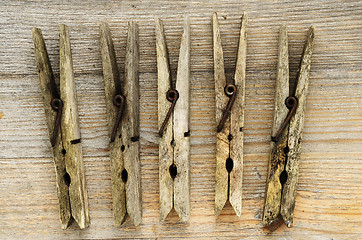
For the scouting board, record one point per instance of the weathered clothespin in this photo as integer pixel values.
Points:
(173, 123)
(230, 97)
(122, 99)
(287, 130)
(63, 124)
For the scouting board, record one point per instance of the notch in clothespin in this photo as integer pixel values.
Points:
(286, 139)
(173, 123)
(122, 101)
(63, 124)
(230, 98)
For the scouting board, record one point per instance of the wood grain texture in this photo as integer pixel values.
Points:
(181, 128)
(126, 189)
(237, 123)
(165, 148)
(70, 132)
(273, 190)
(295, 133)
(230, 138)
(174, 141)
(332, 135)
(49, 92)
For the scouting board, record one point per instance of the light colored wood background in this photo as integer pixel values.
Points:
(329, 199)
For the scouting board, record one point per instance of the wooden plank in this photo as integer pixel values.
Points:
(237, 123)
(165, 147)
(125, 148)
(71, 134)
(112, 86)
(181, 129)
(278, 156)
(49, 92)
(222, 142)
(296, 126)
(130, 127)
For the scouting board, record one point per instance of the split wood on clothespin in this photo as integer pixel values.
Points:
(63, 124)
(230, 97)
(287, 130)
(173, 123)
(122, 99)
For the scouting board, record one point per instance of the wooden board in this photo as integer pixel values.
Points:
(329, 196)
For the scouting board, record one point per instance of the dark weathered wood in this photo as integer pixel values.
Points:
(73, 155)
(49, 92)
(130, 127)
(125, 172)
(278, 156)
(285, 154)
(112, 86)
(165, 148)
(296, 126)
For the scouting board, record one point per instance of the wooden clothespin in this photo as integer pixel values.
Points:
(287, 130)
(230, 97)
(122, 99)
(63, 124)
(173, 123)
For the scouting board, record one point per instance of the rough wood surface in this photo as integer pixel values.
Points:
(49, 92)
(112, 87)
(222, 142)
(277, 157)
(70, 132)
(124, 151)
(181, 128)
(165, 148)
(174, 144)
(229, 141)
(295, 133)
(237, 123)
(328, 201)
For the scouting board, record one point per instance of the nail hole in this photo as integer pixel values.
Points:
(187, 134)
(122, 148)
(173, 144)
(124, 175)
(135, 139)
(286, 150)
(64, 151)
(230, 137)
(120, 135)
(229, 165)
(66, 179)
(241, 129)
(283, 177)
(173, 171)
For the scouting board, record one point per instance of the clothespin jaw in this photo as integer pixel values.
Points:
(63, 125)
(173, 123)
(288, 122)
(230, 98)
(122, 101)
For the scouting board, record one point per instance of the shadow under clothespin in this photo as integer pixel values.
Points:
(230, 98)
(63, 124)
(286, 138)
(122, 101)
(173, 123)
